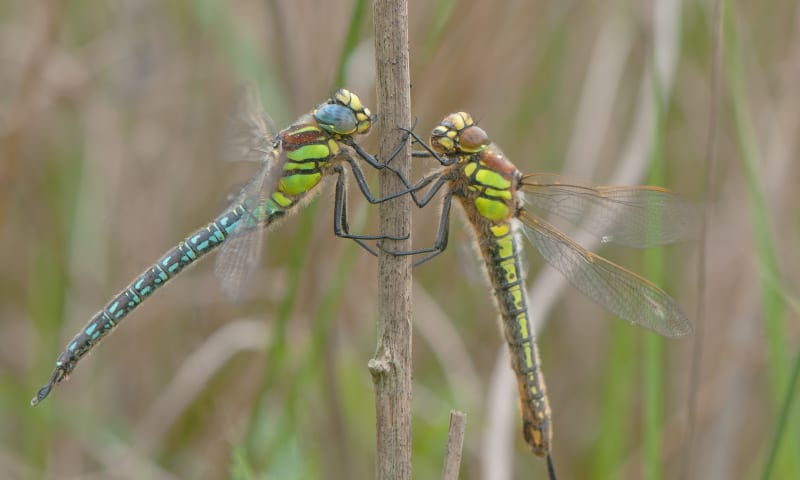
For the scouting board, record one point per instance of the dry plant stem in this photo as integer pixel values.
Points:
(391, 366)
(455, 443)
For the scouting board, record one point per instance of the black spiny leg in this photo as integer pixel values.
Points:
(551, 469)
(373, 162)
(341, 227)
(427, 153)
(442, 236)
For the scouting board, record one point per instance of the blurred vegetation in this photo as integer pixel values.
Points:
(111, 118)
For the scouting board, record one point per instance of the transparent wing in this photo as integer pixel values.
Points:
(618, 290)
(237, 261)
(238, 256)
(250, 133)
(636, 216)
(250, 137)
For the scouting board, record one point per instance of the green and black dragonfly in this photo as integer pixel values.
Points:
(293, 164)
(499, 200)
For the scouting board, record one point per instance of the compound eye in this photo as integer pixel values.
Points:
(336, 119)
(473, 139)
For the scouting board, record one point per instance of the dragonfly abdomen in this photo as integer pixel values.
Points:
(504, 261)
(173, 262)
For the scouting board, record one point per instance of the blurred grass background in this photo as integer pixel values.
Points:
(111, 119)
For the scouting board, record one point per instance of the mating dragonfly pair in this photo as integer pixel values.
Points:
(493, 193)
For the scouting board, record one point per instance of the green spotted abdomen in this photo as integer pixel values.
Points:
(503, 256)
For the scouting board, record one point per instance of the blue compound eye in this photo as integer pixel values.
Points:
(335, 118)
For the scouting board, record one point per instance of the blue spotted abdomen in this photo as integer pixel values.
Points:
(172, 263)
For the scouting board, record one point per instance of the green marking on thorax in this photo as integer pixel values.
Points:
(297, 184)
(309, 152)
(309, 128)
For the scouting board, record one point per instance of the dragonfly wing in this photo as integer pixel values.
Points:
(620, 291)
(250, 132)
(634, 216)
(237, 261)
(239, 255)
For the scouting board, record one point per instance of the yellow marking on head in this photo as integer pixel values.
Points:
(343, 96)
(458, 121)
(446, 144)
(451, 134)
(355, 102)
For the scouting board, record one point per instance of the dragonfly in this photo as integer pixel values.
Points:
(499, 203)
(293, 163)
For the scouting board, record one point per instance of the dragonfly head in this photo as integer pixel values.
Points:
(458, 134)
(344, 114)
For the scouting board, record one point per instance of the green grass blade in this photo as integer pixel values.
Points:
(772, 302)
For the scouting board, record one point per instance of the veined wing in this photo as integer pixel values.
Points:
(250, 137)
(239, 255)
(250, 132)
(632, 216)
(620, 291)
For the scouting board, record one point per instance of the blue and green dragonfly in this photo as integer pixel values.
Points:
(293, 163)
(497, 199)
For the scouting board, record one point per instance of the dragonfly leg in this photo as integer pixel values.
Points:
(440, 244)
(412, 189)
(374, 162)
(551, 469)
(341, 227)
(362, 184)
(426, 153)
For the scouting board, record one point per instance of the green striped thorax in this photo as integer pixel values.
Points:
(344, 115)
(311, 146)
(492, 178)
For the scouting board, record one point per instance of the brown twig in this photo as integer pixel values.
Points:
(455, 443)
(391, 366)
